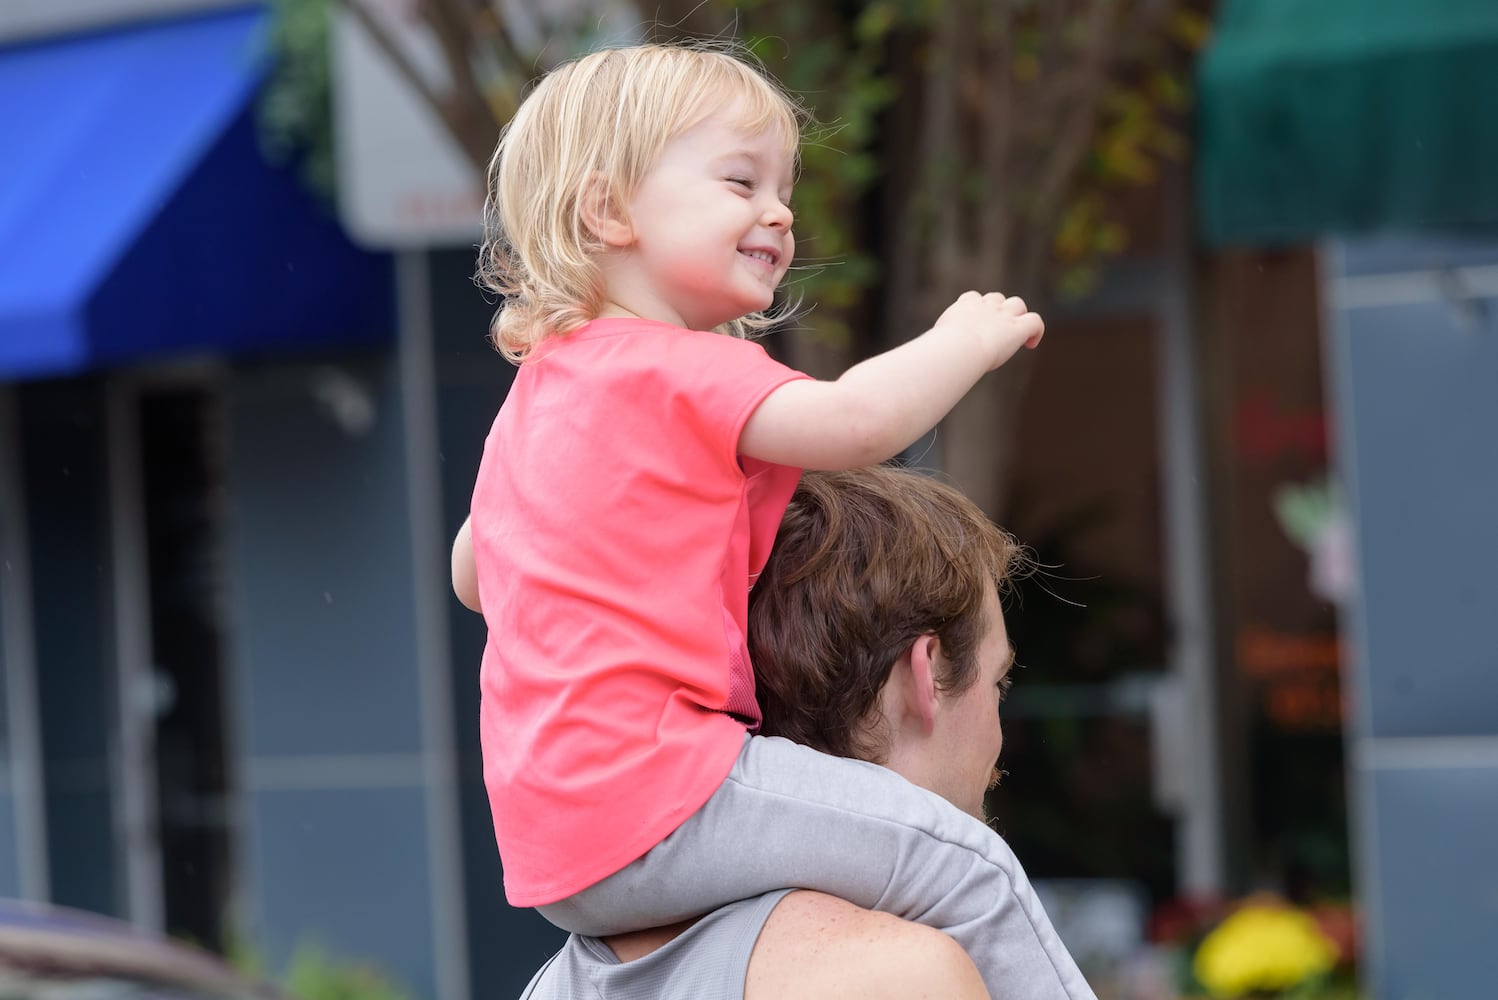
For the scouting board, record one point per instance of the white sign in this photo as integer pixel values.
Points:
(403, 182)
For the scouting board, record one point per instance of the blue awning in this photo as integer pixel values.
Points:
(138, 218)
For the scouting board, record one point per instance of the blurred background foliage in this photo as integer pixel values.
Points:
(958, 144)
(313, 972)
(296, 105)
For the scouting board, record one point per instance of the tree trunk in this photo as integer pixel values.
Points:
(818, 356)
(980, 436)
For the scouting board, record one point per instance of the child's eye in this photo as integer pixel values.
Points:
(742, 182)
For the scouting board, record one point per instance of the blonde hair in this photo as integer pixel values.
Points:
(605, 115)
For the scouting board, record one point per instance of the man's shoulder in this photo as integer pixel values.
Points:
(706, 961)
(809, 946)
(815, 945)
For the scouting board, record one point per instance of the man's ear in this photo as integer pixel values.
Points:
(923, 656)
(602, 213)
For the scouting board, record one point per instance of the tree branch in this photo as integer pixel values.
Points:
(905, 177)
(494, 31)
(942, 152)
(1058, 170)
(996, 31)
(387, 44)
(468, 105)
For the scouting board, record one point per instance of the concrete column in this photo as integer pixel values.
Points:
(1412, 361)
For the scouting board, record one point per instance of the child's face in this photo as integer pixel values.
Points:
(710, 230)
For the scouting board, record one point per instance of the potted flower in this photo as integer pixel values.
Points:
(1263, 948)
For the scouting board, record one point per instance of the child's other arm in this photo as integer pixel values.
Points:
(881, 406)
(465, 573)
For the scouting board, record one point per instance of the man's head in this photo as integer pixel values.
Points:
(878, 611)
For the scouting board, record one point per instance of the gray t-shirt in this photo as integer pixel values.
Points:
(707, 961)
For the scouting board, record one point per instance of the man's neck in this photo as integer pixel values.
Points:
(628, 947)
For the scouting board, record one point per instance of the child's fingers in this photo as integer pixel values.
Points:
(1036, 331)
(1015, 305)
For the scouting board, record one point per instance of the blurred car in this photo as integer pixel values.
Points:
(52, 953)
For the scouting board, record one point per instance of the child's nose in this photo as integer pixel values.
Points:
(778, 215)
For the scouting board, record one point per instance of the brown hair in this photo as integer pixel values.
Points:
(865, 562)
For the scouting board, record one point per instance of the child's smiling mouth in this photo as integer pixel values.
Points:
(762, 254)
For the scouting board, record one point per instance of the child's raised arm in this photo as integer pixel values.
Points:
(881, 406)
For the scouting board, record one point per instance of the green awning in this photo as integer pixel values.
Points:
(1342, 116)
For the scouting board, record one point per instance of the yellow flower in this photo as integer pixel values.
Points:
(1262, 948)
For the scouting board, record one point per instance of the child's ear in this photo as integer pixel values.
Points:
(602, 213)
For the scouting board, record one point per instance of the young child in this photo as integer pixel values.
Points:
(637, 225)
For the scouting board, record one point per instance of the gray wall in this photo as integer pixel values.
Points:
(1413, 367)
(325, 688)
(324, 672)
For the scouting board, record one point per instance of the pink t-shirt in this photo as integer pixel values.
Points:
(617, 532)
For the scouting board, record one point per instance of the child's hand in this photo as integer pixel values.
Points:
(1002, 323)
